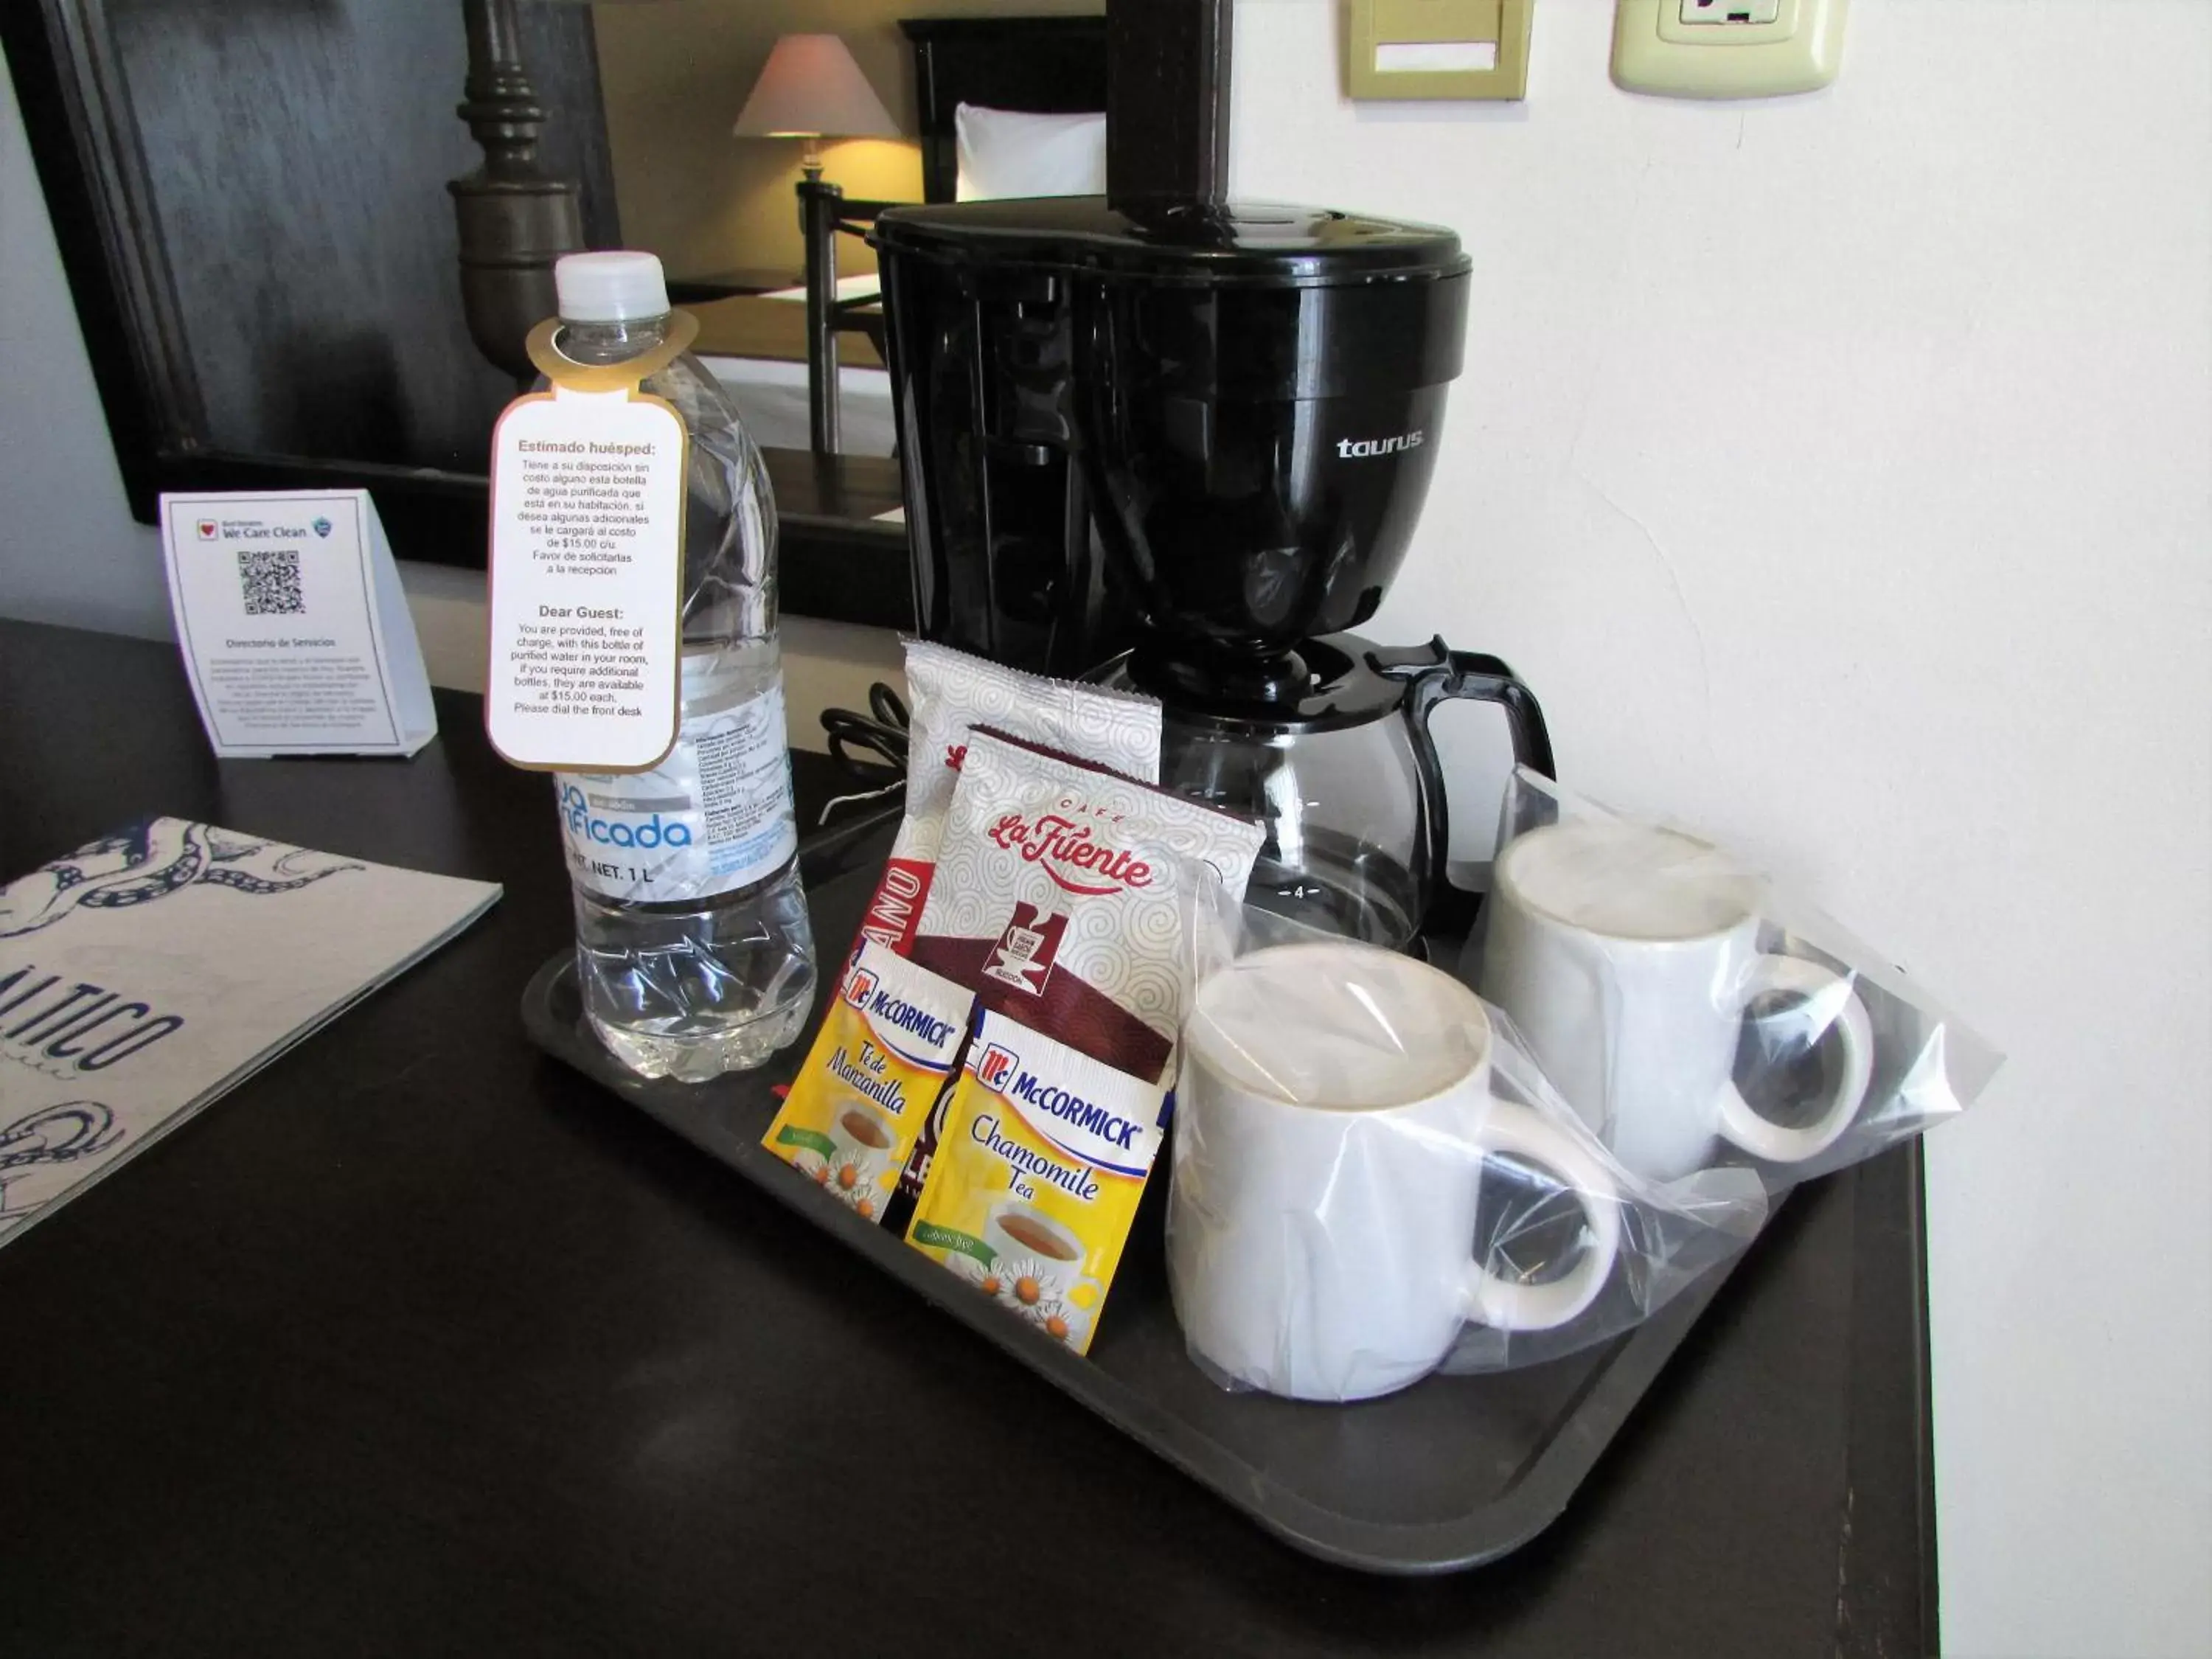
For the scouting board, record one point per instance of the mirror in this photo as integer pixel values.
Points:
(674, 75)
(721, 209)
(252, 210)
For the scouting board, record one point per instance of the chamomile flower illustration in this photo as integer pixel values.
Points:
(986, 1280)
(1062, 1320)
(1026, 1285)
(1038, 1302)
(811, 1164)
(851, 1179)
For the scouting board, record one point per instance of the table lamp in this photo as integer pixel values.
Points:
(811, 89)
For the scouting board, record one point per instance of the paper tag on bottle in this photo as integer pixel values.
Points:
(587, 569)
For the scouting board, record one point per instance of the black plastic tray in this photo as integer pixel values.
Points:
(1449, 1474)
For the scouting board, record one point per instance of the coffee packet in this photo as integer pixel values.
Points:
(1064, 892)
(875, 1072)
(1063, 899)
(952, 693)
(1033, 882)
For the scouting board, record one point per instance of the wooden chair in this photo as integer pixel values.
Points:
(825, 213)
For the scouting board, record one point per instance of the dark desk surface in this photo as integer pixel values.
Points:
(417, 1343)
(840, 558)
(849, 492)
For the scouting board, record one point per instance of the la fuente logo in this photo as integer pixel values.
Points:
(1061, 846)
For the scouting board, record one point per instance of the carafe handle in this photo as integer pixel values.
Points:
(1435, 674)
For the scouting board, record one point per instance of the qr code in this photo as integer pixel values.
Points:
(271, 581)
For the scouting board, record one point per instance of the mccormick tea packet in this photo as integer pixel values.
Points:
(877, 1067)
(1031, 1197)
(1063, 898)
(953, 693)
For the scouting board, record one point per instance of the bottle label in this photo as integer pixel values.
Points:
(715, 814)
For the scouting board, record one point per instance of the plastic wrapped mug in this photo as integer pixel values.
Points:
(1627, 956)
(1333, 1120)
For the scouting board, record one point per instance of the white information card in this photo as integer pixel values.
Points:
(294, 630)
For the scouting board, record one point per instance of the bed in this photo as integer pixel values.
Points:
(1043, 65)
(1025, 68)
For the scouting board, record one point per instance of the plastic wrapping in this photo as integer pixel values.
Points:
(1377, 1173)
(1370, 1181)
(1694, 1014)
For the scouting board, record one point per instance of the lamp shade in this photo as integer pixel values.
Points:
(811, 89)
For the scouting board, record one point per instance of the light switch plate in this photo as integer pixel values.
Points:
(1433, 49)
(1687, 49)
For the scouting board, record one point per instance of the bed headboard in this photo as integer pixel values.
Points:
(1051, 65)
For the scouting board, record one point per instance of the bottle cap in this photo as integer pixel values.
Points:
(609, 288)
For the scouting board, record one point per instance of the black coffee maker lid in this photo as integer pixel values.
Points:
(1259, 244)
(1329, 682)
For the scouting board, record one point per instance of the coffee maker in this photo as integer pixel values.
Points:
(1182, 449)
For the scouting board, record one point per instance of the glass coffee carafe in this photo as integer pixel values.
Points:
(1329, 748)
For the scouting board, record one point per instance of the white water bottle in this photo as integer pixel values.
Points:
(693, 950)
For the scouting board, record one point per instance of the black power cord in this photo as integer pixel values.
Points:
(863, 744)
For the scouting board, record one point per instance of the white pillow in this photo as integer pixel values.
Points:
(1011, 151)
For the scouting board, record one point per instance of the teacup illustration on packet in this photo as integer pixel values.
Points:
(858, 1173)
(1035, 1271)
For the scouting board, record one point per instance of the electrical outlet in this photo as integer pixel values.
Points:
(1726, 48)
(1725, 12)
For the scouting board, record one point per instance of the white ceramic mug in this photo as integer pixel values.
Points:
(1628, 957)
(1322, 1216)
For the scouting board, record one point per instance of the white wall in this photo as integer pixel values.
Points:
(70, 553)
(1836, 468)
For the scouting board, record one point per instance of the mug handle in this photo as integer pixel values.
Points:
(1508, 1304)
(1778, 1142)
